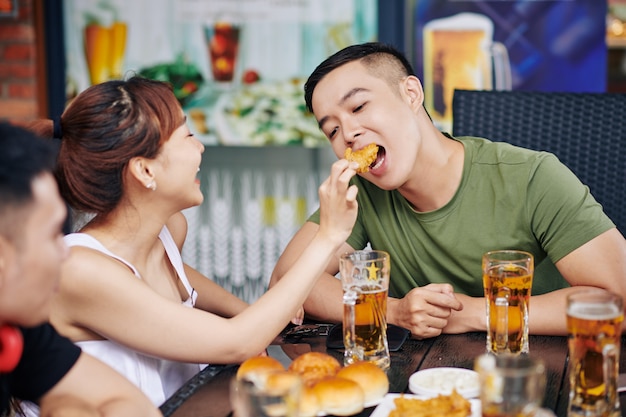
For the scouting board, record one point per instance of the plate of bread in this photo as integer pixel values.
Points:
(328, 388)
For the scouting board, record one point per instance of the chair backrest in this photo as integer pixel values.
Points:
(586, 131)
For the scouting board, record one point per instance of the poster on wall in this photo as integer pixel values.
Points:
(529, 45)
(236, 66)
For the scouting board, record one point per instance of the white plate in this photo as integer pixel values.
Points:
(442, 380)
(387, 405)
(366, 405)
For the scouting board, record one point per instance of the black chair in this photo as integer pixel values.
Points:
(586, 131)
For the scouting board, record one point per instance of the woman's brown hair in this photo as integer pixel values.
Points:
(103, 128)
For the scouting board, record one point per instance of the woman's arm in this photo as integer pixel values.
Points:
(212, 297)
(107, 394)
(102, 295)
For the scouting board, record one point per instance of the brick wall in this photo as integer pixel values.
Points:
(19, 97)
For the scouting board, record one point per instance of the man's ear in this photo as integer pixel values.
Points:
(141, 170)
(413, 91)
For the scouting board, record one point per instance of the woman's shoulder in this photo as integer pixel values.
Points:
(88, 261)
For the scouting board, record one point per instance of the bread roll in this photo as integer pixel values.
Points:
(309, 404)
(259, 365)
(314, 366)
(282, 381)
(339, 396)
(371, 378)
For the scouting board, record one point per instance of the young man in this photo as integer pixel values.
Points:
(437, 203)
(36, 363)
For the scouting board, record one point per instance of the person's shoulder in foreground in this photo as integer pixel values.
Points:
(427, 181)
(36, 363)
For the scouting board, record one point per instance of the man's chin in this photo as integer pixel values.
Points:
(35, 318)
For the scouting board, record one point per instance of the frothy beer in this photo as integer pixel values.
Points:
(370, 324)
(594, 329)
(507, 289)
(365, 282)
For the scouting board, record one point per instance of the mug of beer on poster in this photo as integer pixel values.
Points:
(365, 281)
(594, 327)
(459, 52)
(507, 281)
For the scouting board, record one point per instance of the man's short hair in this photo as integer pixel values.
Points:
(23, 157)
(381, 60)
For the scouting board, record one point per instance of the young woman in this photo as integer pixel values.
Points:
(128, 158)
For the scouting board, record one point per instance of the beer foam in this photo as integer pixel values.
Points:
(593, 311)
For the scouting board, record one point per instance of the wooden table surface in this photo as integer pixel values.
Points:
(207, 394)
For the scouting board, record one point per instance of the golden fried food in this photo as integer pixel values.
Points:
(364, 157)
(453, 405)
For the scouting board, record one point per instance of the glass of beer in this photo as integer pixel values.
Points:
(507, 280)
(365, 281)
(274, 394)
(511, 385)
(594, 327)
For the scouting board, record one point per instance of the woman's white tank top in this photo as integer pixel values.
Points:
(157, 378)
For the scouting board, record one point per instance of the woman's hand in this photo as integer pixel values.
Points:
(338, 205)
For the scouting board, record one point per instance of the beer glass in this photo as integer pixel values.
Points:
(271, 395)
(460, 53)
(507, 280)
(511, 385)
(365, 281)
(594, 326)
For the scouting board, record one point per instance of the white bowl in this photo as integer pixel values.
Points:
(435, 381)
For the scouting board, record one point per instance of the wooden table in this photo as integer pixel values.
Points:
(206, 395)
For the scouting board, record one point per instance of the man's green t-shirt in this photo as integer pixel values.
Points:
(509, 198)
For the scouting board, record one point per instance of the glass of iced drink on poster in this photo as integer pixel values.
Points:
(365, 281)
(594, 327)
(222, 40)
(507, 281)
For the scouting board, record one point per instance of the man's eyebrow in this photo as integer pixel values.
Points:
(343, 99)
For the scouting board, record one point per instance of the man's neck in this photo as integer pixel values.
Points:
(437, 174)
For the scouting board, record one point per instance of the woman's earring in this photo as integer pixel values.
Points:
(152, 185)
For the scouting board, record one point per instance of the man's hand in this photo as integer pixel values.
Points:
(424, 310)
